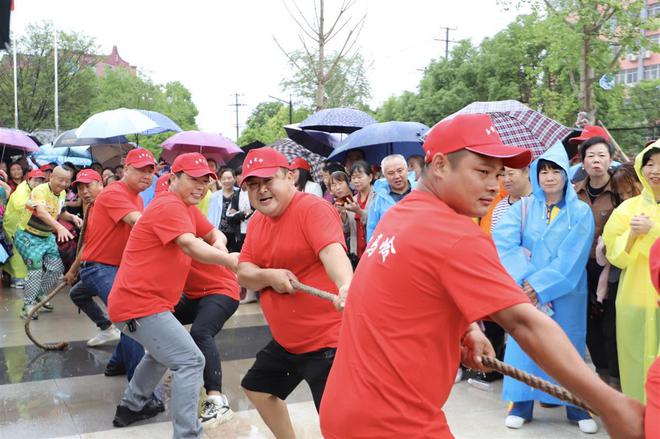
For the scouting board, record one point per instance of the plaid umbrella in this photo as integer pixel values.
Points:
(519, 125)
(292, 150)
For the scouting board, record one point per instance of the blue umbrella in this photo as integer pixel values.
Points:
(337, 120)
(165, 124)
(69, 138)
(123, 121)
(382, 139)
(79, 156)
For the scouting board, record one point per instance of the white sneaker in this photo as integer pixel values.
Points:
(459, 375)
(514, 422)
(215, 411)
(588, 426)
(106, 336)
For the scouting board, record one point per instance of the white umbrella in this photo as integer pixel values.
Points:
(124, 121)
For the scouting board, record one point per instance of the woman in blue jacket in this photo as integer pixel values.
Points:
(543, 242)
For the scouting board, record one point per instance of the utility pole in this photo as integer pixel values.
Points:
(446, 39)
(290, 103)
(236, 105)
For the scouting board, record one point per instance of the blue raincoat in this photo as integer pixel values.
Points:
(556, 270)
(382, 201)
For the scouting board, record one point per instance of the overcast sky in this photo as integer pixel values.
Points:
(218, 48)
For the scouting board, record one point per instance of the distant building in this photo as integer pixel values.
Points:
(101, 64)
(111, 62)
(636, 67)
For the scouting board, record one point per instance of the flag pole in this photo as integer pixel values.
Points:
(14, 44)
(57, 109)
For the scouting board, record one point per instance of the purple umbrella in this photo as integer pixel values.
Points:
(211, 145)
(16, 142)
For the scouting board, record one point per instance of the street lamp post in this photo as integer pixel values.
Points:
(290, 103)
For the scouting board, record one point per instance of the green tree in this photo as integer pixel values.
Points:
(347, 87)
(323, 72)
(592, 36)
(120, 88)
(36, 79)
(528, 62)
(267, 120)
(632, 113)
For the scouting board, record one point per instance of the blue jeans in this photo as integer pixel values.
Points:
(99, 278)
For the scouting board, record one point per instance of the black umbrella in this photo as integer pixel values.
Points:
(318, 142)
(337, 120)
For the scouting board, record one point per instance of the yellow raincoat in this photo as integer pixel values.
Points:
(15, 207)
(637, 314)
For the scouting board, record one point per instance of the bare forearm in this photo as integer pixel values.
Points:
(202, 252)
(67, 216)
(547, 344)
(336, 264)
(252, 276)
(43, 215)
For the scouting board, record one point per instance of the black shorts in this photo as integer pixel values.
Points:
(278, 372)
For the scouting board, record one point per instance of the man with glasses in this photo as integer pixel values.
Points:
(293, 235)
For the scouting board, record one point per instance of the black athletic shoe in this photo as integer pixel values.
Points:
(114, 369)
(125, 416)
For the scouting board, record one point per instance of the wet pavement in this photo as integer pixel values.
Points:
(65, 394)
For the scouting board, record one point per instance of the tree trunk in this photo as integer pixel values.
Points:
(586, 93)
(320, 76)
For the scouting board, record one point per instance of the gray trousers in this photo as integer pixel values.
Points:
(168, 345)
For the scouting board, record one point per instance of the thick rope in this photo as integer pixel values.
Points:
(315, 291)
(536, 382)
(61, 345)
(493, 363)
(57, 346)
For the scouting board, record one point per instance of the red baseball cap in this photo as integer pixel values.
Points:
(476, 133)
(36, 173)
(163, 183)
(193, 164)
(46, 167)
(300, 163)
(87, 176)
(263, 162)
(588, 132)
(139, 158)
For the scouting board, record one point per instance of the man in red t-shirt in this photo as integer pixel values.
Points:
(109, 224)
(410, 312)
(152, 274)
(292, 236)
(210, 298)
(89, 185)
(652, 419)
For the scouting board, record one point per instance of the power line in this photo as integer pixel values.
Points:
(446, 39)
(236, 104)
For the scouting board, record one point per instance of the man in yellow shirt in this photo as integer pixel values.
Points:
(35, 239)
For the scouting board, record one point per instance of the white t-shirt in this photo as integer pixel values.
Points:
(312, 187)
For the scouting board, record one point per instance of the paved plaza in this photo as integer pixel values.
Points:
(66, 395)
